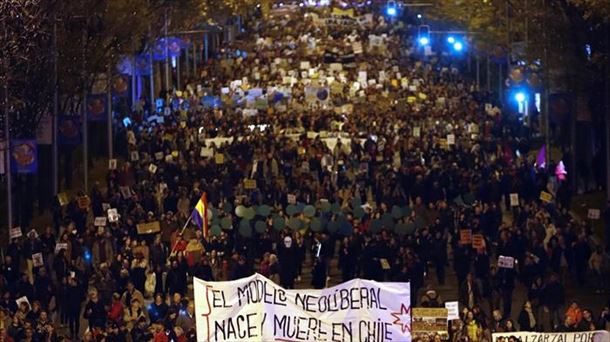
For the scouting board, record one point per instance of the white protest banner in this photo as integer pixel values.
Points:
(100, 221)
(15, 232)
(37, 260)
(593, 214)
(583, 336)
(514, 200)
(453, 310)
(112, 163)
(113, 215)
(61, 245)
(257, 309)
(450, 139)
(506, 262)
(416, 132)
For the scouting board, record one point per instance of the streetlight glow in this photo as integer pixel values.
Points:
(450, 40)
(458, 46)
(424, 41)
(391, 11)
(520, 97)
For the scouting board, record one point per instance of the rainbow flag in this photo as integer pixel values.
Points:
(200, 214)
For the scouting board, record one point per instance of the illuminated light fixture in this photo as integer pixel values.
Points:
(419, 16)
(520, 97)
(450, 40)
(458, 46)
(391, 9)
(424, 41)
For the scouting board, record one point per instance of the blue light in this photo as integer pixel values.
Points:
(391, 11)
(424, 41)
(126, 122)
(87, 256)
(457, 46)
(450, 40)
(419, 16)
(520, 97)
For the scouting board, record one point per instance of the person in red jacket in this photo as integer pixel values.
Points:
(115, 314)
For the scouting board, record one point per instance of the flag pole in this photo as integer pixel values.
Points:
(181, 232)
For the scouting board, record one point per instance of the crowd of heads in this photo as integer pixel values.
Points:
(364, 149)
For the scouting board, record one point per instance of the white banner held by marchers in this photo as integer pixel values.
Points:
(583, 336)
(257, 309)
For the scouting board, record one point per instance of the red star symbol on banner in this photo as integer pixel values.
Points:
(403, 318)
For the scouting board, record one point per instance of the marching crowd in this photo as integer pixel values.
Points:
(360, 153)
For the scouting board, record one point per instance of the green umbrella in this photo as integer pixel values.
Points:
(375, 226)
(249, 213)
(419, 223)
(336, 207)
(332, 226)
(397, 212)
(315, 224)
(226, 223)
(215, 230)
(309, 211)
(359, 212)
(244, 228)
(356, 202)
(228, 208)
(325, 206)
(263, 210)
(300, 207)
(279, 223)
(387, 220)
(294, 223)
(240, 211)
(401, 229)
(291, 210)
(260, 226)
(345, 227)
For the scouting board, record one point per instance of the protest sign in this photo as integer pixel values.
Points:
(249, 184)
(134, 156)
(545, 196)
(152, 168)
(593, 214)
(582, 336)
(84, 202)
(506, 262)
(37, 260)
(62, 198)
(429, 322)
(450, 139)
(15, 232)
(61, 245)
(453, 310)
(257, 309)
(465, 236)
(148, 228)
(416, 132)
(219, 158)
(478, 242)
(113, 215)
(100, 221)
(112, 164)
(514, 200)
(206, 152)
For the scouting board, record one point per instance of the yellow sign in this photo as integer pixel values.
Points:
(249, 184)
(545, 197)
(423, 96)
(394, 83)
(148, 228)
(411, 99)
(219, 158)
(343, 12)
(62, 197)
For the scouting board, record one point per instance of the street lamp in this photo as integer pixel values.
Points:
(450, 40)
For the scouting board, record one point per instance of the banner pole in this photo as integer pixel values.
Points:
(181, 232)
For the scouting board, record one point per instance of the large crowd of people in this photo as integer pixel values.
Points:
(326, 141)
